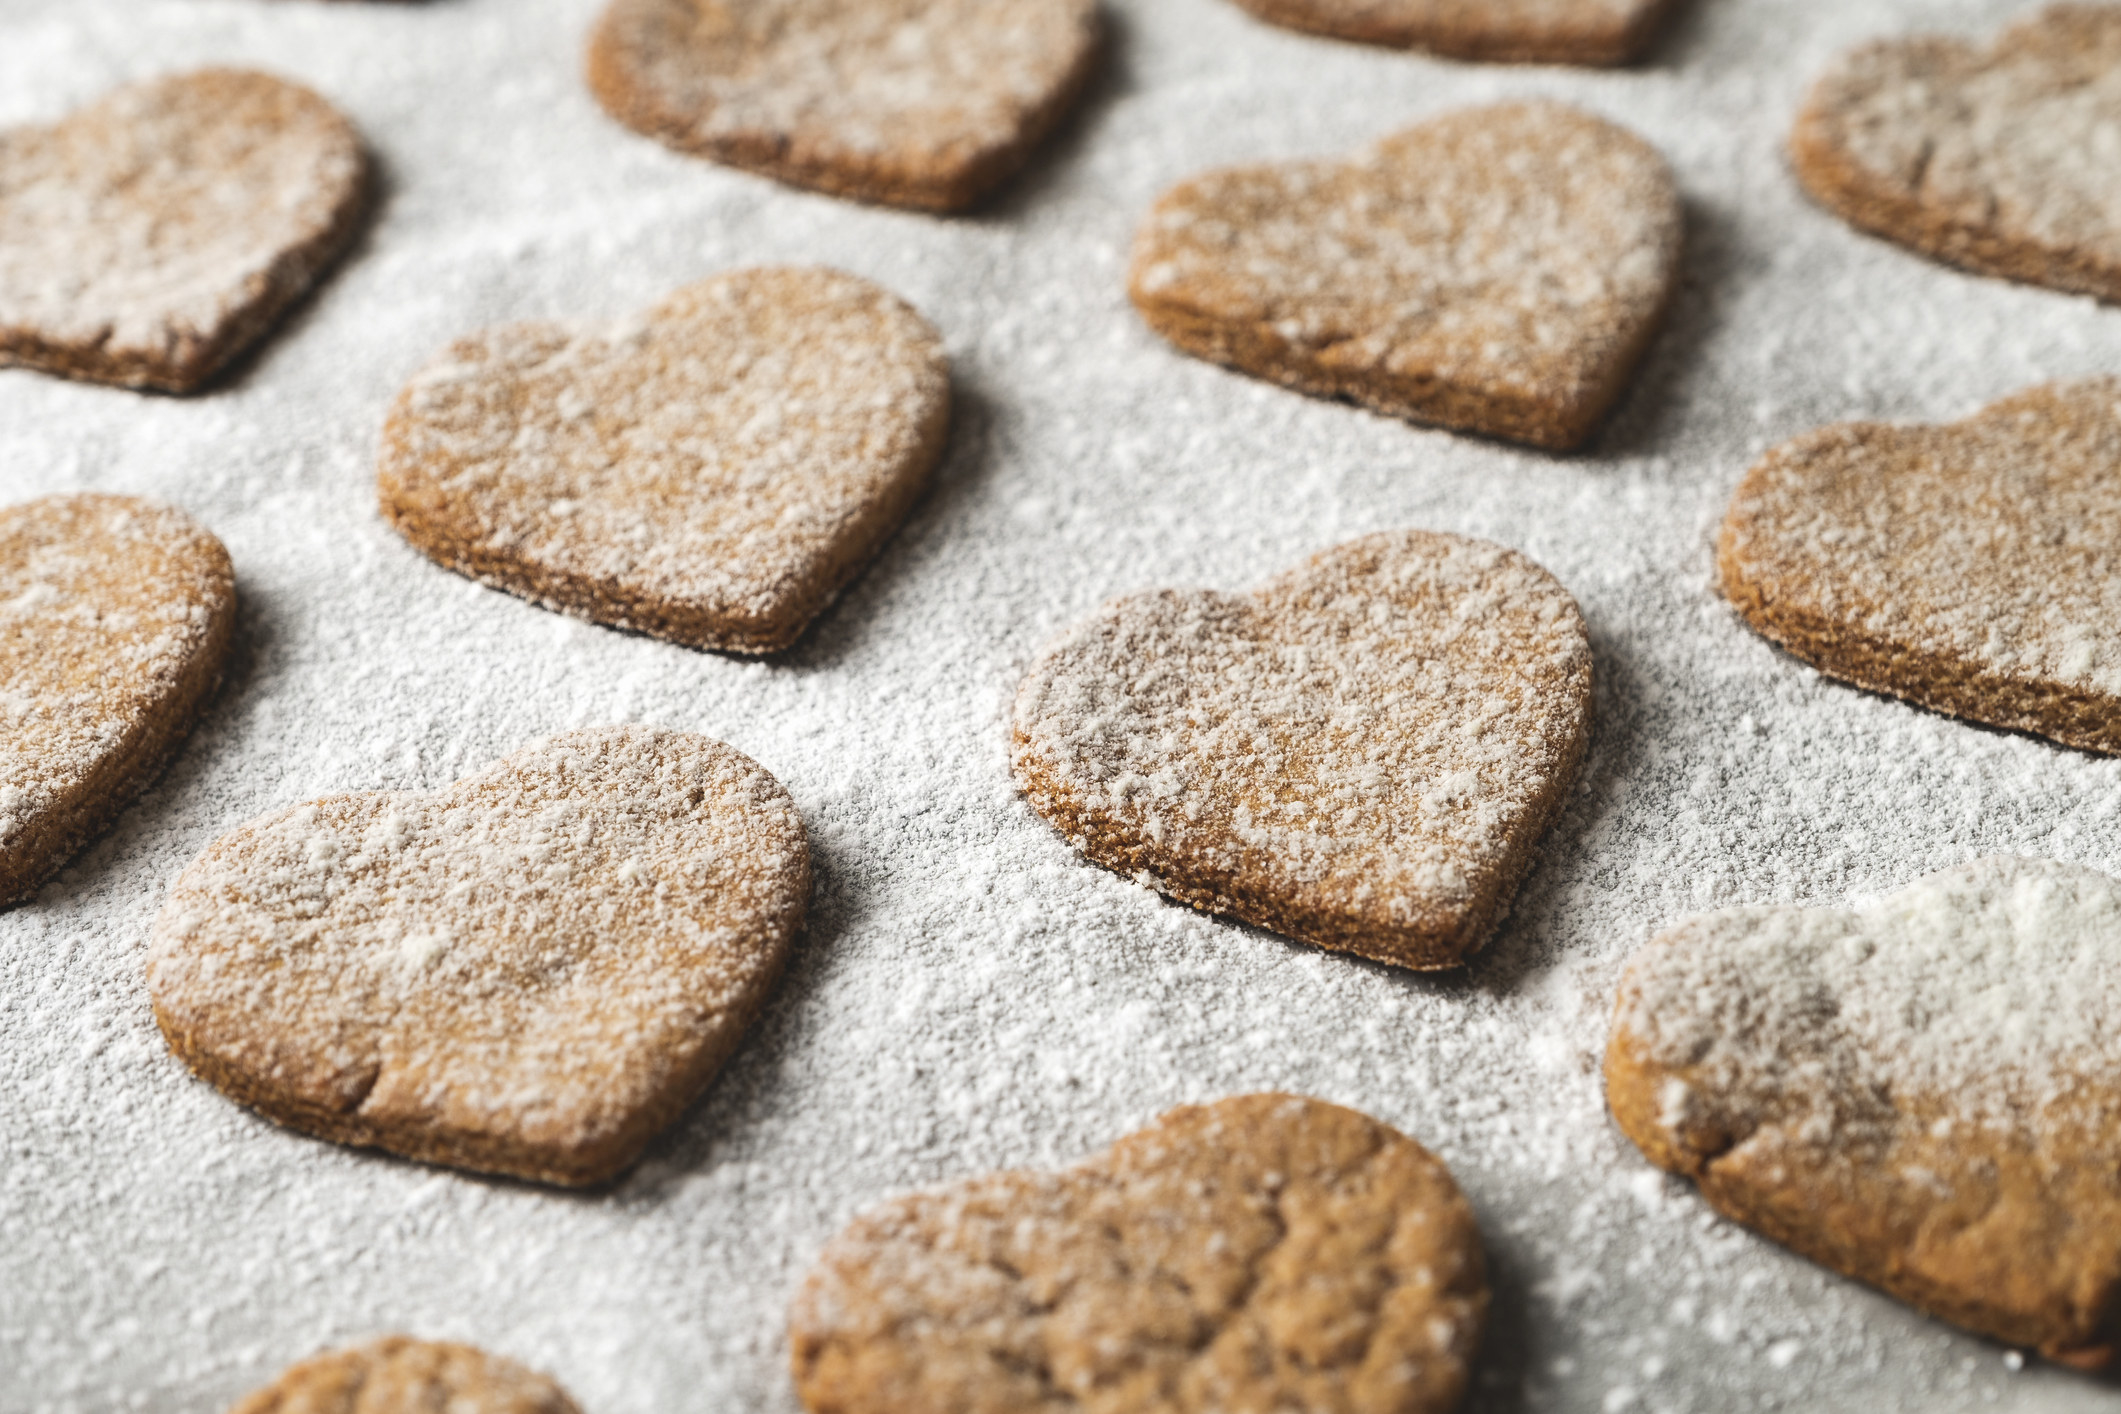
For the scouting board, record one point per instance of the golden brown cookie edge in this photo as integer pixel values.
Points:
(1604, 47)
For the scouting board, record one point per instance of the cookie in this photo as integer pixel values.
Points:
(1499, 270)
(155, 234)
(1922, 1093)
(927, 104)
(529, 973)
(1599, 32)
(1974, 568)
(1261, 1253)
(116, 616)
(397, 1375)
(1997, 160)
(1362, 753)
(712, 473)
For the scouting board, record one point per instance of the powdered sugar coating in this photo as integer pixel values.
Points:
(712, 472)
(529, 972)
(2017, 144)
(1360, 752)
(917, 102)
(115, 616)
(396, 1375)
(147, 237)
(1263, 1252)
(1498, 269)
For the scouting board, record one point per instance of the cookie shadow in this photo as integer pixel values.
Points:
(1656, 404)
(1060, 154)
(1511, 1348)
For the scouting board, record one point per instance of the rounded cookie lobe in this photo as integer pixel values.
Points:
(1496, 270)
(1362, 754)
(150, 237)
(925, 104)
(399, 1375)
(1263, 1252)
(1974, 568)
(712, 472)
(1920, 1092)
(1505, 31)
(116, 616)
(1997, 160)
(531, 973)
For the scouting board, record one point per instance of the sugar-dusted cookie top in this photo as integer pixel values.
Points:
(2000, 160)
(1923, 1092)
(1362, 753)
(711, 472)
(1265, 1252)
(918, 103)
(1506, 31)
(1974, 567)
(151, 236)
(397, 1375)
(116, 616)
(531, 972)
(1497, 270)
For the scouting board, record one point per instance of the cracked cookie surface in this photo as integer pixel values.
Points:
(1496, 270)
(712, 472)
(1920, 1092)
(150, 237)
(917, 103)
(531, 972)
(398, 1375)
(1263, 1252)
(1974, 568)
(1997, 160)
(116, 616)
(1597, 32)
(1363, 753)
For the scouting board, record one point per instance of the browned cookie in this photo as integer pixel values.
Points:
(1261, 1253)
(1923, 1092)
(397, 1375)
(531, 972)
(1974, 568)
(712, 472)
(1998, 160)
(150, 237)
(115, 620)
(919, 103)
(1503, 31)
(1499, 270)
(1363, 753)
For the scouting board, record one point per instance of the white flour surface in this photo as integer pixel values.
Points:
(970, 995)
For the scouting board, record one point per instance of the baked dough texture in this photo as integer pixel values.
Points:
(711, 472)
(1923, 1092)
(398, 1375)
(927, 104)
(529, 973)
(1597, 32)
(1363, 753)
(1999, 160)
(152, 236)
(116, 616)
(1261, 1253)
(1974, 568)
(1495, 270)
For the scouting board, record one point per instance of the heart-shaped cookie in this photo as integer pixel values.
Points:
(150, 237)
(530, 973)
(1923, 1093)
(115, 619)
(1974, 568)
(1499, 270)
(1362, 754)
(397, 1375)
(1998, 160)
(1261, 1253)
(712, 473)
(918, 103)
(1500, 31)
